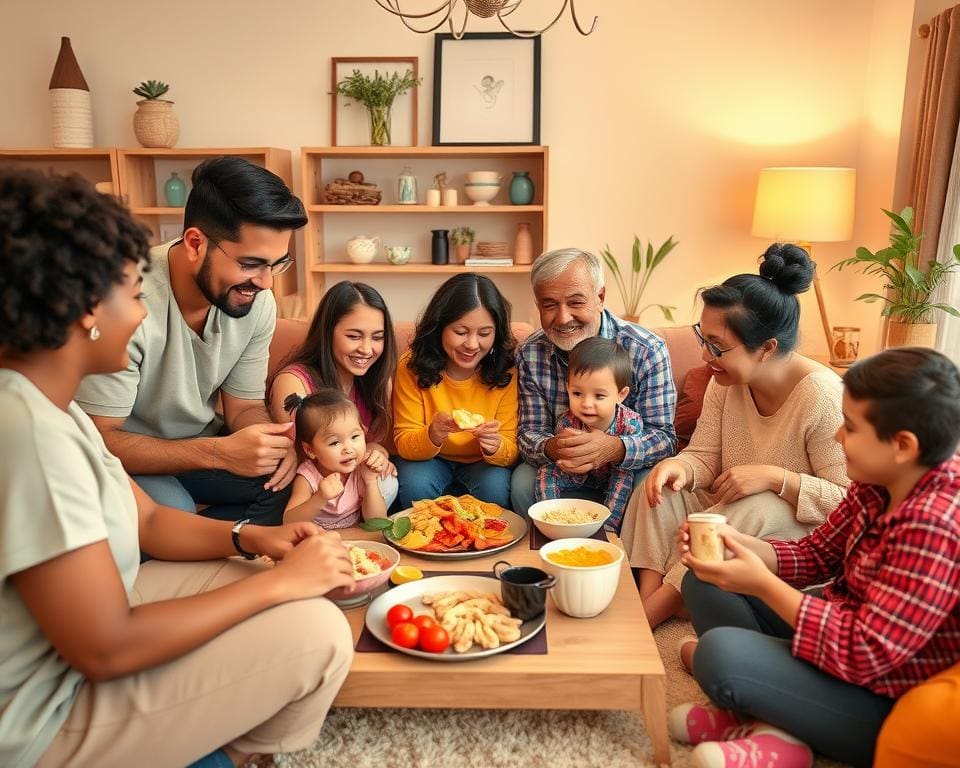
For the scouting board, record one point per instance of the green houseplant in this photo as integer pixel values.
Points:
(462, 238)
(909, 287)
(642, 264)
(154, 122)
(377, 93)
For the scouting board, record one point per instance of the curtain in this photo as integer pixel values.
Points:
(948, 330)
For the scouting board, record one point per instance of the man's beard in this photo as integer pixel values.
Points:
(222, 301)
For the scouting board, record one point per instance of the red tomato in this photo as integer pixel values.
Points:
(406, 635)
(399, 614)
(434, 639)
(423, 621)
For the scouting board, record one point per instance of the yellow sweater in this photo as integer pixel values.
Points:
(414, 409)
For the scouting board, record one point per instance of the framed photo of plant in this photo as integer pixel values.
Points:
(486, 89)
(374, 101)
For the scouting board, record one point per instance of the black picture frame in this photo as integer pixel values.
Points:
(457, 124)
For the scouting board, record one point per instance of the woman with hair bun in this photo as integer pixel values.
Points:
(763, 451)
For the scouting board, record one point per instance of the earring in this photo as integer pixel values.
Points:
(94, 333)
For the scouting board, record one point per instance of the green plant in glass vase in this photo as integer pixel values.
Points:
(909, 287)
(377, 93)
(642, 264)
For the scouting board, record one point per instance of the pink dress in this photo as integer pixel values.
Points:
(366, 417)
(344, 510)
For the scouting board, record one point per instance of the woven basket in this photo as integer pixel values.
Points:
(485, 8)
(155, 124)
(72, 117)
(911, 334)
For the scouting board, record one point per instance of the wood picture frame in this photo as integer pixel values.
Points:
(486, 89)
(346, 130)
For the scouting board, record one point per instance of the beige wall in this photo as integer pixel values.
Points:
(658, 123)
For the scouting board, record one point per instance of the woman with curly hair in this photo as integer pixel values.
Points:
(461, 359)
(103, 659)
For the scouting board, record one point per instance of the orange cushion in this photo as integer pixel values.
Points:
(690, 403)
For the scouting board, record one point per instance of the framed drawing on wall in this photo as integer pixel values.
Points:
(349, 120)
(486, 89)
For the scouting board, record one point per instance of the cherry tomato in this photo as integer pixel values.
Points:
(406, 635)
(434, 639)
(423, 621)
(399, 614)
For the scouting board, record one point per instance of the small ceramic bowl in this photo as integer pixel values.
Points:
(484, 176)
(346, 597)
(568, 530)
(481, 193)
(398, 254)
(583, 591)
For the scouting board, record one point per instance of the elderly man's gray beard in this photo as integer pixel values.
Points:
(567, 341)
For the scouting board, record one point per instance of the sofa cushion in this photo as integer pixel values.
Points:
(690, 403)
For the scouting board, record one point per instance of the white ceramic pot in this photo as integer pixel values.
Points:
(567, 530)
(583, 592)
(484, 176)
(398, 254)
(362, 249)
(482, 192)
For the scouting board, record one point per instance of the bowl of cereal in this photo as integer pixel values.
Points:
(587, 573)
(373, 562)
(568, 518)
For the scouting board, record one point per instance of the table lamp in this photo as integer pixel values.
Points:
(806, 205)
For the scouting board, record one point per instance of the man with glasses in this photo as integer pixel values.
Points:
(211, 317)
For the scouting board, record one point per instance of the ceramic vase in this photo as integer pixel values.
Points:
(521, 188)
(70, 109)
(440, 247)
(175, 191)
(523, 245)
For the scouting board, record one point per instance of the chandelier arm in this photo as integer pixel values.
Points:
(387, 5)
(576, 21)
(517, 33)
(463, 27)
(508, 9)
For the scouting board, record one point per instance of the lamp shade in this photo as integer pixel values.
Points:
(811, 204)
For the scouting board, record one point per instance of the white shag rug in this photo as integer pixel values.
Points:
(430, 738)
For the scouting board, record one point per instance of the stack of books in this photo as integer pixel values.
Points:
(489, 261)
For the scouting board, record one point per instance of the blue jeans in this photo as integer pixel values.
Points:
(524, 482)
(436, 477)
(744, 663)
(230, 497)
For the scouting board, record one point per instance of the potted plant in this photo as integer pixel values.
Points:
(377, 93)
(462, 238)
(644, 261)
(154, 122)
(909, 287)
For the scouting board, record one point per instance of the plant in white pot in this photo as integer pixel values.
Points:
(909, 286)
(643, 262)
(154, 122)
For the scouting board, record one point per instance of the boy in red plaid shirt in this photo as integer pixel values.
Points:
(789, 670)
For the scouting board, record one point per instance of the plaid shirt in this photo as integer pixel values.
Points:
(542, 378)
(890, 618)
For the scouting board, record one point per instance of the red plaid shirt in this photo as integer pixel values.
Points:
(891, 616)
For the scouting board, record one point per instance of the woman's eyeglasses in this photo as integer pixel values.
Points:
(712, 348)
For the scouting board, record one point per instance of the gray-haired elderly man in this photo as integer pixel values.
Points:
(569, 290)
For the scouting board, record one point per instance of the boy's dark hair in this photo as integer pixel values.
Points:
(63, 247)
(765, 306)
(316, 412)
(455, 298)
(597, 353)
(229, 191)
(912, 389)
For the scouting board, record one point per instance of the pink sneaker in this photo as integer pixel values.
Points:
(695, 723)
(767, 747)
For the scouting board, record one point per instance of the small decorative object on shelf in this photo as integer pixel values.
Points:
(488, 261)
(398, 254)
(175, 191)
(351, 191)
(846, 346)
(462, 238)
(523, 243)
(449, 197)
(377, 93)
(440, 247)
(497, 249)
(70, 101)
(362, 249)
(435, 192)
(521, 188)
(154, 122)
(406, 187)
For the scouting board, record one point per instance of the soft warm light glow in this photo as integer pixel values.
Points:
(812, 204)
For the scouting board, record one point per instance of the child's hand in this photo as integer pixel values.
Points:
(330, 487)
(441, 427)
(388, 470)
(372, 467)
(488, 435)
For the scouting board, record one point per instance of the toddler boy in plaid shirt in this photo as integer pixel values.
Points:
(598, 380)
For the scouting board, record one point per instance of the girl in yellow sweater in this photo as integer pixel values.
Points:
(461, 359)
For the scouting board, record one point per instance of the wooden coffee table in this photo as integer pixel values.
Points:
(607, 662)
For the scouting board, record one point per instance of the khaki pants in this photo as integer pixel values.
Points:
(263, 686)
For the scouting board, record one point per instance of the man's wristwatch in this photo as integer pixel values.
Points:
(236, 540)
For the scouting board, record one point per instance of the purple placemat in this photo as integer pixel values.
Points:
(535, 645)
(538, 539)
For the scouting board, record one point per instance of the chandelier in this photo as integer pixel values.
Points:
(482, 8)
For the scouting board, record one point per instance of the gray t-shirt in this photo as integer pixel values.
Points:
(60, 490)
(170, 387)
